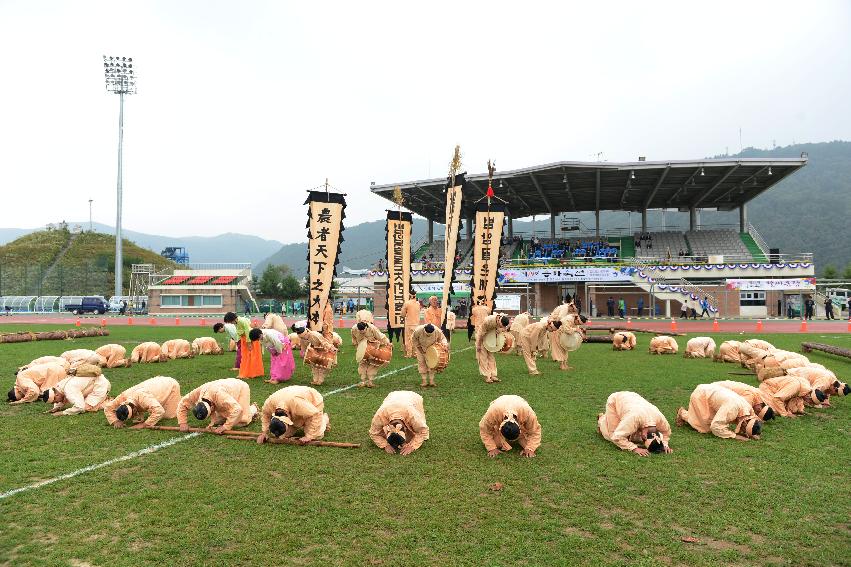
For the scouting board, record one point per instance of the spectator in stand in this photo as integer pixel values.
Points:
(638, 243)
(704, 305)
(621, 308)
(684, 310)
(610, 306)
(828, 309)
(681, 253)
(640, 307)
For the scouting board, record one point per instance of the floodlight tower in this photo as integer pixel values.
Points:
(121, 80)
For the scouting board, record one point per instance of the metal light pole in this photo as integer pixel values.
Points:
(90, 215)
(120, 80)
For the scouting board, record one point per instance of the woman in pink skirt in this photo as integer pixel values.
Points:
(281, 364)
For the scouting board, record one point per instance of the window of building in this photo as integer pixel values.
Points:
(751, 298)
(191, 301)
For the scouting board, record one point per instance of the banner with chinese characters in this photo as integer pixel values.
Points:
(770, 284)
(454, 197)
(398, 265)
(489, 222)
(325, 214)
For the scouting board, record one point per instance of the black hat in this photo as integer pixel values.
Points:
(510, 430)
(818, 396)
(361, 326)
(122, 412)
(277, 427)
(504, 321)
(429, 328)
(299, 330)
(556, 323)
(201, 411)
(766, 413)
(12, 396)
(845, 390)
(395, 439)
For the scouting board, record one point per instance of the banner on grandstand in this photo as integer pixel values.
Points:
(437, 288)
(325, 214)
(489, 221)
(454, 197)
(398, 265)
(543, 275)
(772, 284)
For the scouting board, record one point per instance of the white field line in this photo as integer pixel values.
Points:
(173, 441)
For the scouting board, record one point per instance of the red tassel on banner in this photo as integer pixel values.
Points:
(490, 191)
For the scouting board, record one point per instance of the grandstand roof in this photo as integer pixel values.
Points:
(572, 186)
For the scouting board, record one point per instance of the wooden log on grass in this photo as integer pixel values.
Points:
(598, 339)
(283, 441)
(830, 349)
(28, 336)
(251, 434)
(635, 330)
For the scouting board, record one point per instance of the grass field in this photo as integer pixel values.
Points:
(782, 500)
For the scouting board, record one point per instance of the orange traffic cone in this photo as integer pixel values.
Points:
(130, 320)
(715, 326)
(803, 325)
(203, 322)
(629, 322)
(673, 325)
(77, 324)
(849, 325)
(152, 321)
(177, 320)
(759, 326)
(103, 322)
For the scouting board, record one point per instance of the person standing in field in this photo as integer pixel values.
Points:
(281, 361)
(433, 313)
(248, 351)
(411, 315)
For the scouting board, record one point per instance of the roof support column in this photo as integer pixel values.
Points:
(510, 228)
(553, 226)
(743, 218)
(692, 218)
(430, 231)
(644, 220)
(469, 226)
(597, 207)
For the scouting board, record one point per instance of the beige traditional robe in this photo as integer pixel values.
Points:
(623, 340)
(113, 355)
(421, 341)
(510, 407)
(79, 356)
(485, 358)
(627, 413)
(206, 345)
(319, 342)
(146, 352)
(157, 396)
(713, 408)
(32, 381)
(47, 360)
(785, 394)
(372, 335)
(231, 401)
(478, 314)
(176, 348)
(760, 344)
(663, 344)
(700, 347)
(450, 320)
(328, 318)
(404, 406)
(754, 396)
(304, 406)
(570, 323)
(729, 352)
(533, 339)
(433, 315)
(520, 322)
(411, 314)
(82, 393)
(820, 378)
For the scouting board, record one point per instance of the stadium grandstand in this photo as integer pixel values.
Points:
(657, 270)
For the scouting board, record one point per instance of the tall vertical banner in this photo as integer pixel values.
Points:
(490, 219)
(454, 197)
(398, 265)
(325, 214)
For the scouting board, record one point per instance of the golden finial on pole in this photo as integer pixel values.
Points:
(455, 165)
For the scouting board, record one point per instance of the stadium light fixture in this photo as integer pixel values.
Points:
(769, 170)
(632, 174)
(120, 78)
(701, 172)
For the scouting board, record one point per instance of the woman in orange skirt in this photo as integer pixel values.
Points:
(251, 363)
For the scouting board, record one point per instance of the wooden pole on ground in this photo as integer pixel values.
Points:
(830, 349)
(205, 430)
(282, 441)
(635, 330)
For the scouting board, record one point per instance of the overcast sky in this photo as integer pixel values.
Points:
(242, 106)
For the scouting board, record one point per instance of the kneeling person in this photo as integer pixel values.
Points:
(634, 424)
(158, 396)
(86, 389)
(714, 408)
(510, 418)
(227, 402)
(400, 423)
(30, 382)
(293, 408)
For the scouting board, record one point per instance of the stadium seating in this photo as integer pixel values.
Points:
(709, 242)
(663, 243)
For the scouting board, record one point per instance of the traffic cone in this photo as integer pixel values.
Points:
(673, 325)
(177, 321)
(803, 325)
(203, 322)
(849, 325)
(759, 326)
(130, 321)
(77, 324)
(715, 326)
(629, 322)
(103, 322)
(152, 321)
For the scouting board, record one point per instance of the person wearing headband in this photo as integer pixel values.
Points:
(424, 336)
(206, 345)
(534, 341)
(411, 316)
(570, 323)
(663, 344)
(317, 341)
(714, 408)
(367, 369)
(364, 316)
(477, 314)
(755, 397)
(85, 389)
(157, 396)
(700, 347)
(634, 424)
(227, 402)
(510, 418)
(114, 356)
(786, 394)
(175, 348)
(400, 423)
(822, 379)
(623, 340)
(728, 352)
(79, 356)
(146, 352)
(31, 381)
(520, 322)
(291, 409)
(486, 359)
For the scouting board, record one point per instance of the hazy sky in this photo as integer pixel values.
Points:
(242, 106)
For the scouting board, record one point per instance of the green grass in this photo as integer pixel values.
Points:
(782, 500)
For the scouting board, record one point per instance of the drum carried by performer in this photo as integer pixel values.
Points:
(320, 354)
(374, 350)
(568, 337)
(432, 351)
(492, 336)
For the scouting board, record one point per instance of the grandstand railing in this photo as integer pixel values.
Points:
(649, 260)
(217, 266)
(757, 237)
